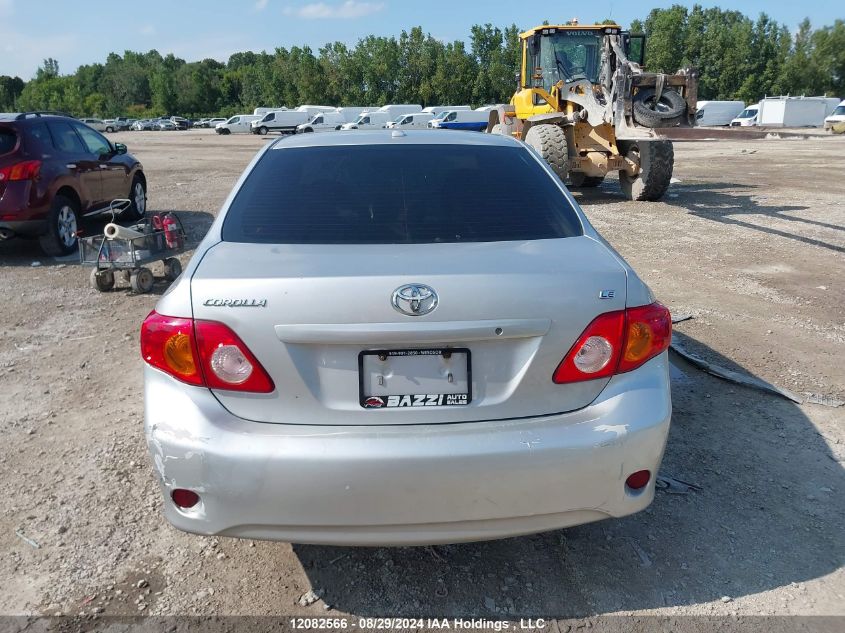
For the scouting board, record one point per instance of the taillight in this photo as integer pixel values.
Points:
(617, 342)
(227, 363)
(204, 353)
(648, 332)
(25, 170)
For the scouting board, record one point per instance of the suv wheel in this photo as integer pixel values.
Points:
(138, 198)
(62, 224)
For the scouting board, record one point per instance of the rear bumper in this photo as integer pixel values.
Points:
(22, 210)
(403, 485)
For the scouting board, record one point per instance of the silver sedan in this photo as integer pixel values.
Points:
(403, 338)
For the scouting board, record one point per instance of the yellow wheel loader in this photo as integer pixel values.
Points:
(586, 105)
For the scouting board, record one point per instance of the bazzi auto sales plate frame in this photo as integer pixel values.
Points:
(414, 401)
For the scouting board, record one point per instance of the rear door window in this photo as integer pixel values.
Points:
(8, 140)
(66, 139)
(383, 194)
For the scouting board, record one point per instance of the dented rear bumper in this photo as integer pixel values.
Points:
(410, 484)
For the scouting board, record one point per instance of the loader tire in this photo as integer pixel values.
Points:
(550, 143)
(581, 181)
(665, 112)
(656, 159)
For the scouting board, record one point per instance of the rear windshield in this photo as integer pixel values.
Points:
(8, 138)
(382, 194)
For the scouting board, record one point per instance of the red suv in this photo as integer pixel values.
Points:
(55, 171)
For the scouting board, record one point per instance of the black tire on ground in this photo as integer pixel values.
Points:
(62, 225)
(308, 129)
(102, 280)
(656, 159)
(664, 112)
(581, 181)
(138, 197)
(109, 129)
(550, 143)
(172, 268)
(141, 281)
(262, 130)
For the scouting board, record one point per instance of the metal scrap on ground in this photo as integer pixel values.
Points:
(673, 486)
(733, 376)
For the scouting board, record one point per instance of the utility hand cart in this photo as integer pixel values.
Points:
(161, 238)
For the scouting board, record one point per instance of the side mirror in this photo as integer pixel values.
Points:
(120, 148)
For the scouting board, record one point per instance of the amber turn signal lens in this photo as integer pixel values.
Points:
(639, 342)
(179, 355)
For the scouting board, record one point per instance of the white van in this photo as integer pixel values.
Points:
(712, 113)
(381, 117)
(238, 124)
(435, 110)
(410, 121)
(286, 121)
(462, 120)
(747, 117)
(836, 118)
(263, 111)
(326, 121)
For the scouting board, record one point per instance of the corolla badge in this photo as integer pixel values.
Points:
(235, 303)
(414, 299)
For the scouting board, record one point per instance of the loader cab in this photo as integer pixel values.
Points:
(552, 54)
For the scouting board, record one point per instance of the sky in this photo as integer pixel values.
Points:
(84, 32)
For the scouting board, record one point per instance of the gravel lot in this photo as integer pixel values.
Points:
(750, 241)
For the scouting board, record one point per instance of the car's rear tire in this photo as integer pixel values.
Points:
(579, 180)
(550, 142)
(62, 225)
(102, 280)
(141, 281)
(656, 160)
(138, 198)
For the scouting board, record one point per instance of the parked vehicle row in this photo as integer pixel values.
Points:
(787, 112)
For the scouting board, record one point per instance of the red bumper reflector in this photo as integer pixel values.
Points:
(638, 479)
(185, 498)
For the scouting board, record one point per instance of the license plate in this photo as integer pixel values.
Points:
(411, 378)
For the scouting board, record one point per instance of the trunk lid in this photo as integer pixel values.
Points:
(307, 312)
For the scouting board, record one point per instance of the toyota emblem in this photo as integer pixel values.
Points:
(414, 299)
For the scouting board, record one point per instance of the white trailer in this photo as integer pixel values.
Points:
(792, 111)
(263, 111)
(712, 113)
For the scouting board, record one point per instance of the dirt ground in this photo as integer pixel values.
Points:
(750, 240)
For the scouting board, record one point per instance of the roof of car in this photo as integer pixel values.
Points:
(386, 137)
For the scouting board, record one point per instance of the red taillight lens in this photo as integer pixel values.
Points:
(168, 343)
(227, 362)
(204, 353)
(596, 352)
(617, 342)
(25, 170)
